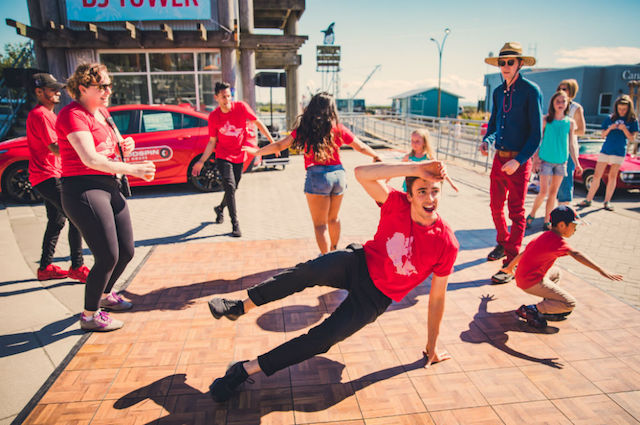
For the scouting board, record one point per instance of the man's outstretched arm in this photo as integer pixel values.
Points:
(436, 312)
(371, 176)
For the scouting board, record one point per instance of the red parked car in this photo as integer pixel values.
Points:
(173, 137)
(628, 178)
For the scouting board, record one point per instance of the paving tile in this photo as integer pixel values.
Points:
(609, 374)
(326, 368)
(80, 385)
(159, 353)
(325, 403)
(134, 412)
(534, 412)
(595, 409)
(197, 409)
(507, 385)
(483, 415)
(414, 419)
(560, 383)
(75, 413)
(388, 398)
(447, 391)
(138, 382)
(618, 342)
(100, 356)
(575, 346)
(479, 356)
(629, 401)
(373, 365)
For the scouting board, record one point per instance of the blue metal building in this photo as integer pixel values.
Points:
(424, 101)
(599, 86)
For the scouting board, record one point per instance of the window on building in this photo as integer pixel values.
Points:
(604, 104)
(163, 77)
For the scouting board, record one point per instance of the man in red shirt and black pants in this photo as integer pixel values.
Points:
(228, 132)
(44, 174)
(411, 243)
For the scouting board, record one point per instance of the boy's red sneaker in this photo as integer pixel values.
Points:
(79, 273)
(52, 272)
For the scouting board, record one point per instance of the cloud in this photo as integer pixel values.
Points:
(598, 56)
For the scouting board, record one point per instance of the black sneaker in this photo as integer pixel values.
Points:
(223, 388)
(219, 214)
(236, 233)
(231, 309)
(496, 254)
(501, 277)
(556, 317)
(533, 317)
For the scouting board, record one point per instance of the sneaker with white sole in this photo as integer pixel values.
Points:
(115, 302)
(100, 322)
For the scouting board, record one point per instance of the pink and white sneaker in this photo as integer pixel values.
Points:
(100, 322)
(115, 302)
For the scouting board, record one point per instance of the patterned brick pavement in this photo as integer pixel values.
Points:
(157, 369)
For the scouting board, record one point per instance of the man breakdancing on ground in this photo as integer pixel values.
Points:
(412, 241)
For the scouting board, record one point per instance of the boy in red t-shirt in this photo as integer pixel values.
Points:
(411, 243)
(536, 276)
(227, 134)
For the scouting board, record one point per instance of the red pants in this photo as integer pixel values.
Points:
(513, 189)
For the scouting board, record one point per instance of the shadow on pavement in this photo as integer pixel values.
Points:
(492, 328)
(26, 341)
(196, 404)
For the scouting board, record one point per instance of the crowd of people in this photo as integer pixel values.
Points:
(79, 157)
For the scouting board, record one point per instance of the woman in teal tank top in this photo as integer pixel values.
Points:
(421, 149)
(550, 161)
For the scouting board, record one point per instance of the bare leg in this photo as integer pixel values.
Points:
(542, 194)
(248, 304)
(252, 367)
(319, 209)
(597, 176)
(553, 193)
(611, 182)
(334, 220)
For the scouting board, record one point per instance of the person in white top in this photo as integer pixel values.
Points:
(576, 112)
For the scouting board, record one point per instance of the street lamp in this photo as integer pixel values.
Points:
(440, 49)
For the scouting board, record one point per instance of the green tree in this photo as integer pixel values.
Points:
(12, 51)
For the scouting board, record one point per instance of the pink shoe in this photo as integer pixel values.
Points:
(52, 272)
(99, 322)
(115, 302)
(79, 273)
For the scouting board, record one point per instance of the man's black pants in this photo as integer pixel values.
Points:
(50, 190)
(230, 174)
(345, 269)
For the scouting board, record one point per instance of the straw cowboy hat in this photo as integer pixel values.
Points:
(511, 49)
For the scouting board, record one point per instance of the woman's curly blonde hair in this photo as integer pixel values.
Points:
(84, 75)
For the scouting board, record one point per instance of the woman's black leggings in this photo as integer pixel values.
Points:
(98, 209)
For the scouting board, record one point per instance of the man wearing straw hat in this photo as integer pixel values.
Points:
(514, 129)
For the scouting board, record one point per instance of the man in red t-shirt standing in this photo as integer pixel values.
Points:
(411, 243)
(227, 133)
(44, 174)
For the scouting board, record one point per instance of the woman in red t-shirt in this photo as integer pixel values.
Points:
(319, 135)
(91, 195)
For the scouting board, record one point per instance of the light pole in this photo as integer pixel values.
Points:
(440, 49)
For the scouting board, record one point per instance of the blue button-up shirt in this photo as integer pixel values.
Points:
(516, 118)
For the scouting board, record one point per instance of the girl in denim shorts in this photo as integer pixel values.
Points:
(319, 135)
(550, 161)
(618, 129)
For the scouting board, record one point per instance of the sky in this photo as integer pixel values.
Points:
(396, 35)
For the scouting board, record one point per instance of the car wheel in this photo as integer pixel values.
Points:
(16, 184)
(209, 178)
(587, 179)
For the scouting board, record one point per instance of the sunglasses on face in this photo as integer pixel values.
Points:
(509, 62)
(103, 87)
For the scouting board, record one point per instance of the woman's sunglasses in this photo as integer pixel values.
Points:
(509, 62)
(103, 87)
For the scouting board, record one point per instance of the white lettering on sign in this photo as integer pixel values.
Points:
(137, 10)
(627, 74)
(155, 154)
